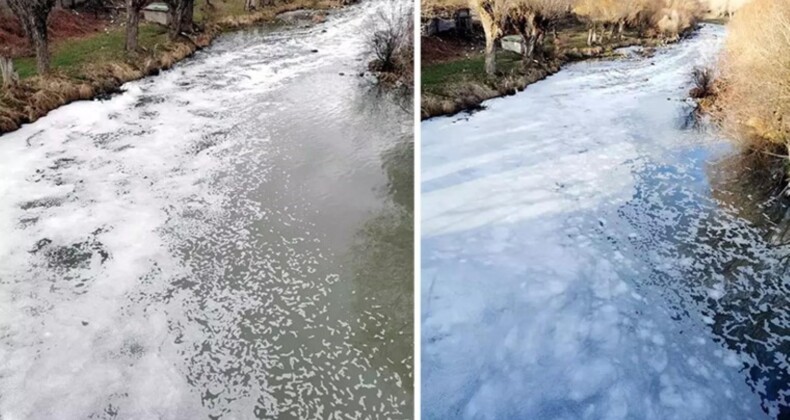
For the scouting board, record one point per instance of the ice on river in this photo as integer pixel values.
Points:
(163, 254)
(572, 256)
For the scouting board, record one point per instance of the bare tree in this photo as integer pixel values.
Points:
(133, 8)
(391, 33)
(181, 16)
(533, 18)
(493, 15)
(599, 14)
(33, 15)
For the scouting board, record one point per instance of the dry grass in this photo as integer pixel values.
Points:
(722, 8)
(674, 17)
(755, 96)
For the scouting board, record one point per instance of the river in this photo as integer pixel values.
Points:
(230, 239)
(589, 251)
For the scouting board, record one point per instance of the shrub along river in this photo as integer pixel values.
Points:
(591, 252)
(230, 239)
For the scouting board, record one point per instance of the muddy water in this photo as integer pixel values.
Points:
(588, 252)
(230, 239)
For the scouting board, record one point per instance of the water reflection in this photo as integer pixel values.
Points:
(383, 263)
(752, 317)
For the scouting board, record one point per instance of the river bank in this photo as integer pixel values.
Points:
(453, 79)
(35, 96)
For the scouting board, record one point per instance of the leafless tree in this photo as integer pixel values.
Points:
(533, 18)
(181, 16)
(391, 32)
(133, 8)
(33, 15)
(493, 15)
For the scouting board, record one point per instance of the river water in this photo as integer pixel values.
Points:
(230, 239)
(591, 252)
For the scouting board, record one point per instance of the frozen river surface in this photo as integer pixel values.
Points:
(590, 253)
(230, 239)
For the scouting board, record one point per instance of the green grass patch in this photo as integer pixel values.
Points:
(436, 76)
(70, 56)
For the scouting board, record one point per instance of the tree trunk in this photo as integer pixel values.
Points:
(188, 16)
(132, 25)
(490, 56)
(620, 30)
(532, 42)
(7, 72)
(526, 52)
(180, 17)
(590, 36)
(249, 5)
(33, 15)
(40, 44)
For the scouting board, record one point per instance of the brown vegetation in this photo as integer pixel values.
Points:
(754, 99)
(605, 18)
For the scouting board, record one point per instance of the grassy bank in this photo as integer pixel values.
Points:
(454, 80)
(93, 65)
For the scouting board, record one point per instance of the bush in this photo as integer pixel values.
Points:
(391, 36)
(755, 99)
(703, 82)
(674, 17)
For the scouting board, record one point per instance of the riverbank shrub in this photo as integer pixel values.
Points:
(677, 16)
(703, 79)
(391, 39)
(755, 97)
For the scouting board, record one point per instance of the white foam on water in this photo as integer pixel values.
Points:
(559, 263)
(128, 289)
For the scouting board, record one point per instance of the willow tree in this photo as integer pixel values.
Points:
(181, 16)
(33, 15)
(532, 18)
(597, 13)
(493, 15)
(133, 8)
